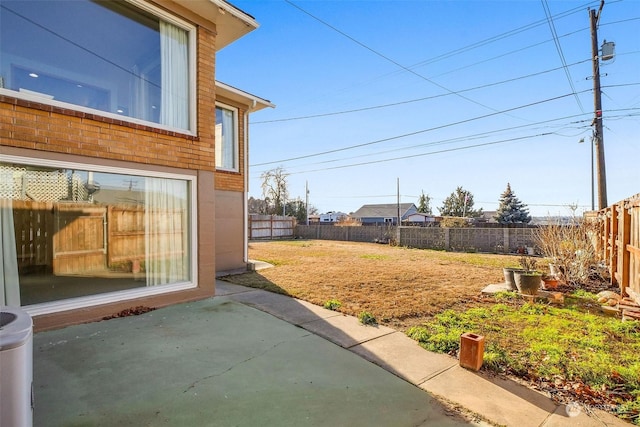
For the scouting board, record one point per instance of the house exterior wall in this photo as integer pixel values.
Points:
(230, 230)
(230, 199)
(40, 131)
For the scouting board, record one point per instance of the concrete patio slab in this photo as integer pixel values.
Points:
(501, 401)
(226, 288)
(596, 418)
(346, 331)
(403, 356)
(286, 308)
(215, 363)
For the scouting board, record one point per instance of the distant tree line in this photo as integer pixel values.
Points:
(459, 204)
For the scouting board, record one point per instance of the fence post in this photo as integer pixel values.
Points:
(611, 238)
(447, 239)
(624, 239)
(505, 240)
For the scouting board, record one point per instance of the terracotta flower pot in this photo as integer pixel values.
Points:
(550, 283)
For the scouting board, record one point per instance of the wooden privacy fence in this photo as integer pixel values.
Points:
(619, 244)
(270, 227)
(71, 238)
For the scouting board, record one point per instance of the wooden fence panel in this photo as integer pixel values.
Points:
(74, 238)
(126, 235)
(619, 228)
(271, 227)
(632, 252)
(79, 243)
(33, 225)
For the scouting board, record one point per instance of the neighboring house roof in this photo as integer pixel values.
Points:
(254, 103)
(231, 22)
(488, 216)
(420, 217)
(389, 210)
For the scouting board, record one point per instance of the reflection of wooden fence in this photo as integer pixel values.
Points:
(79, 243)
(126, 235)
(619, 244)
(271, 227)
(72, 238)
(33, 224)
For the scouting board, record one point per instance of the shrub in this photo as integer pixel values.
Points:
(571, 248)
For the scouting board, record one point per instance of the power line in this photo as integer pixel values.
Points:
(571, 11)
(418, 132)
(470, 137)
(502, 36)
(552, 27)
(386, 58)
(425, 154)
(394, 104)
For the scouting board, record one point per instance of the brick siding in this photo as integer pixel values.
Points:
(32, 125)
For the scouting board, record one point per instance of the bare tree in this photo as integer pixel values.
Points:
(274, 189)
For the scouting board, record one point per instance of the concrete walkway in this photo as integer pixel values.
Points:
(252, 358)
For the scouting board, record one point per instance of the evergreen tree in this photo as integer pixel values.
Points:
(511, 209)
(460, 204)
(424, 204)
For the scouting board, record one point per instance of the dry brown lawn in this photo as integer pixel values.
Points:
(401, 287)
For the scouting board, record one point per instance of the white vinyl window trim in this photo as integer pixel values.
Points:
(131, 294)
(192, 40)
(227, 147)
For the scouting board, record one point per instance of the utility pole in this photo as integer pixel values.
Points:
(398, 201)
(306, 203)
(598, 138)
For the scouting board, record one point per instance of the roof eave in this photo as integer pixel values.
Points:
(253, 103)
(231, 22)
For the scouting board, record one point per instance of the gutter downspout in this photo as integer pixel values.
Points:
(245, 202)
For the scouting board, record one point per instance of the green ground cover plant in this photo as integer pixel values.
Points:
(573, 352)
(332, 304)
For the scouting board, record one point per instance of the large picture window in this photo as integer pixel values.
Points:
(113, 56)
(226, 138)
(71, 232)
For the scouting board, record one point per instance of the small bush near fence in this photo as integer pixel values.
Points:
(571, 249)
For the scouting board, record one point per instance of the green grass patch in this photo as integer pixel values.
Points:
(547, 343)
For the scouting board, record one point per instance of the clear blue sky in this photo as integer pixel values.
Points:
(450, 93)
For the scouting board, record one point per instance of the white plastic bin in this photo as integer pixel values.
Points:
(16, 367)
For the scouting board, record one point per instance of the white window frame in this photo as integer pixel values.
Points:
(236, 139)
(131, 294)
(165, 16)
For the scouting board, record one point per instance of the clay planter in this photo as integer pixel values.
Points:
(471, 351)
(550, 282)
(528, 282)
(509, 277)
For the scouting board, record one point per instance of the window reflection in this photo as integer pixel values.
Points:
(104, 55)
(71, 233)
